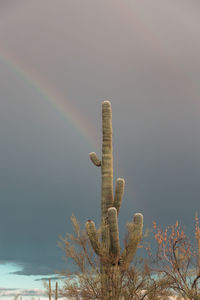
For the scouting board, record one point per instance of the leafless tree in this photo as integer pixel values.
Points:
(177, 261)
(137, 282)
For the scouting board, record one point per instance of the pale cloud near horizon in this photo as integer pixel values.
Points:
(22, 292)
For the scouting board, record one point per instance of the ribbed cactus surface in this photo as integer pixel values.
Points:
(113, 261)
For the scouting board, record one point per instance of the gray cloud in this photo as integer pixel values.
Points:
(142, 55)
(52, 278)
(33, 269)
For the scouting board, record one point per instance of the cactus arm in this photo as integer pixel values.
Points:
(93, 237)
(119, 191)
(135, 235)
(94, 158)
(114, 233)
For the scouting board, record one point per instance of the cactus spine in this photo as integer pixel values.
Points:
(108, 249)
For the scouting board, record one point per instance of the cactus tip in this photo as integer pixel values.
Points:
(120, 180)
(138, 218)
(111, 209)
(94, 158)
(106, 102)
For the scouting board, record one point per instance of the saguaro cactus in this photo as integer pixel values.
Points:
(56, 291)
(113, 261)
(49, 291)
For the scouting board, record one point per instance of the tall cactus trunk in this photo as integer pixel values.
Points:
(106, 193)
(108, 249)
(49, 289)
(56, 291)
(106, 172)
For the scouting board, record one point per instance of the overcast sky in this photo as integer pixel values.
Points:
(58, 61)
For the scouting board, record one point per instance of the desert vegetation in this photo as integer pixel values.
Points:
(169, 271)
(104, 270)
(101, 247)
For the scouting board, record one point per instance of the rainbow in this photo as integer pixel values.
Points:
(62, 105)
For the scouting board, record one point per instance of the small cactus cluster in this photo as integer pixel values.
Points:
(108, 249)
(50, 291)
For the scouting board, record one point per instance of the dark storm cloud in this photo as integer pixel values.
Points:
(142, 55)
(33, 269)
(52, 278)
